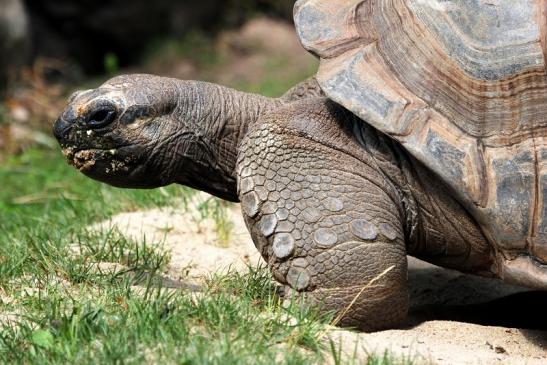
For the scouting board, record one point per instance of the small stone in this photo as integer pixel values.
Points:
(282, 213)
(388, 231)
(311, 215)
(250, 204)
(334, 204)
(268, 224)
(298, 278)
(283, 245)
(325, 237)
(500, 350)
(246, 185)
(364, 229)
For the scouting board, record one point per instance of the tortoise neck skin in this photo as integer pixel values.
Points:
(145, 131)
(212, 122)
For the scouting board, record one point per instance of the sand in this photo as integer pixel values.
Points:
(454, 318)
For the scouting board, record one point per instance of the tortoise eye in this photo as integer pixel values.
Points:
(101, 117)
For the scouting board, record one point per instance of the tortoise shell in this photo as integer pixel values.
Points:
(462, 85)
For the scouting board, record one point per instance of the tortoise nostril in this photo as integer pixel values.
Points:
(61, 128)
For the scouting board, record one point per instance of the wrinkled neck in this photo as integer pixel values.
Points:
(218, 118)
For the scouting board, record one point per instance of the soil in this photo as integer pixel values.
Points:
(454, 318)
(192, 241)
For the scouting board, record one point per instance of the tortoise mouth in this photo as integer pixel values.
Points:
(84, 159)
(116, 167)
(88, 159)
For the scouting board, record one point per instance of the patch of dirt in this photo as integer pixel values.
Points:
(454, 318)
(451, 343)
(9, 320)
(195, 245)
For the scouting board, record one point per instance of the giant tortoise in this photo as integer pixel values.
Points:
(423, 133)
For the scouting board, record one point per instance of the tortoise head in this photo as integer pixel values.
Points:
(117, 133)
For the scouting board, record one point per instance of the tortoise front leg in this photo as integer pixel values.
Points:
(327, 224)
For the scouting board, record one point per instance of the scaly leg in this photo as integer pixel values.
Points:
(326, 221)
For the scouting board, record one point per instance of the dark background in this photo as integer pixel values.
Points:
(84, 33)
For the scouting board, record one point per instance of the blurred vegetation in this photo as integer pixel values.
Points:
(3, 117)
(111, 63)
(239, 11)
(83, 33)
(246, 58)
(196, 47)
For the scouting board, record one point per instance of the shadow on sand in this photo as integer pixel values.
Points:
(440, 294)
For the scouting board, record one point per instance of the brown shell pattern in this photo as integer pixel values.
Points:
(461, 84)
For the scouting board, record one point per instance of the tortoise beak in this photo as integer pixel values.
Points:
(60, 129)
(64, 123)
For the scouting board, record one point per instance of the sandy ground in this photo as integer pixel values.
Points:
(454, 318)
(191, 240)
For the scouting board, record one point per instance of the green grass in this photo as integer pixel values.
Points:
(68, 312)
(58, 308)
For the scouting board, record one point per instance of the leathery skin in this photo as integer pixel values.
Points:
(329, 216)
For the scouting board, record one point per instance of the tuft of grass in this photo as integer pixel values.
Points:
(217, 210)
(236, 320)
